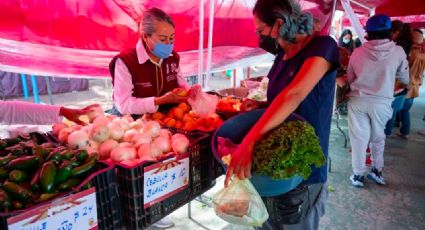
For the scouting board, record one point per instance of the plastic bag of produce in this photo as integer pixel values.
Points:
(240, 203)
(202, 103)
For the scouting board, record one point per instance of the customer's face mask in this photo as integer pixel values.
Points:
(267, 43)
(345, 41)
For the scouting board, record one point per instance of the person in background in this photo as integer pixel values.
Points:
(317, 26)
(371, 74)
(417, 67)
(346, 41)
(401, 34)
(302, 80)
(146, 76)
(27, 113)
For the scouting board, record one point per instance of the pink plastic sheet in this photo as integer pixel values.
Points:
(78, 38)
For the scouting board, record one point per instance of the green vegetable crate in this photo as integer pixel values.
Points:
(36, 170)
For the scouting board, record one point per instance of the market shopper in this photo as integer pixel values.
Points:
(346, 41)
(416, 73)
(144, 77)
(302, 80)
(371, 74)
(20, 112)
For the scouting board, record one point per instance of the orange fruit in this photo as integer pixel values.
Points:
(184, 106)
(179, 125)
(171, 122)
(187, 118)
(157, 116)
(193, 114)
(178, 113)
(180, 92)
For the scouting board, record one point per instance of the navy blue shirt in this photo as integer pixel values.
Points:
(317, 106)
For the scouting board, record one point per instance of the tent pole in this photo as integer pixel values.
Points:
(361, 5)
(210, 40)
(333, 15)
(201, 43)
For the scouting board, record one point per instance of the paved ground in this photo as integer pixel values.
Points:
(398, 205)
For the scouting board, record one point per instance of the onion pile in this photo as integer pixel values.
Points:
(122, 139)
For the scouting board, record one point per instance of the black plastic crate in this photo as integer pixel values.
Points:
(131, 180)
(107, 199)
(202, 173)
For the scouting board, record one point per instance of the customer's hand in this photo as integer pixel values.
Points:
(170, 98)
(240, 163)
(74, 114)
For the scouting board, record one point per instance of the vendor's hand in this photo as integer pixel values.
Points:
(74, 114)
(240, 164)
(170, 98)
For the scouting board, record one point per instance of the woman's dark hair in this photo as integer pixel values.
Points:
(377, 35)
(405, 33)
(289, 11)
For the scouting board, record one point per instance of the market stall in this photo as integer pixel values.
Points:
(129, 172)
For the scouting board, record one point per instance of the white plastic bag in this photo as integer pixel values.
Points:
(240, 204)
(203, 104)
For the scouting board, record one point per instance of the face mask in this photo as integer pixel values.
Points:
(345, 41)
(162, 50)
(268, 43)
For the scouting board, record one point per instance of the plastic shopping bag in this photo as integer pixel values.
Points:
(202, 103)
(240, 204)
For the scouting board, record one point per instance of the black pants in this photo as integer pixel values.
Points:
(292, 207)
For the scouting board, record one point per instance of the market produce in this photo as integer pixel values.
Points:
(289, 149)
(229, 105)
(32, 172)
(122, 139)
(184, 118)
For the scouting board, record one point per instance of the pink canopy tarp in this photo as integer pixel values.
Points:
(78, 38)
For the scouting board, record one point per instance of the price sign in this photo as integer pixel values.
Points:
(164, 179)
(77, 211)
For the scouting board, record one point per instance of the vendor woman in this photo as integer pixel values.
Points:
(144, 77)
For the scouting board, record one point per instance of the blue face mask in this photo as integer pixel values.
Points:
(162, 50)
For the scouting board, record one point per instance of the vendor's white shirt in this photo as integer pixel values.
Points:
(20, 112)
(123, 86)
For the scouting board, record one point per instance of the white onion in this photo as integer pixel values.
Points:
(115, 131)
(152, 128)
(123, 123)
(175, 136)
(180, 145)
(165, 133)
(56, 128)
(128, 118)
(138, 125)
(94, 113)
(149, 149)
(129, 134)
(106, 147)
(103, 121)
(99, 133)
(123, 153)
(163, 143)
(78, 139)
(140, 139)
(63, 135)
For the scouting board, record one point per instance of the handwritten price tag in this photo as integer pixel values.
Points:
(77, 211)
(164, 179)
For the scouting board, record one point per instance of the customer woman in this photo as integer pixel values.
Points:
(302, 80)
(346, 41)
